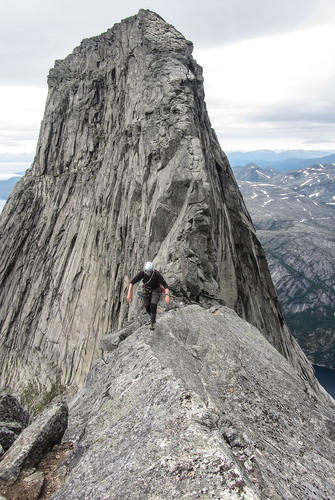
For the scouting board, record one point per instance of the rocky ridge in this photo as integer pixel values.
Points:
(294, 214)
(282, 161)
(203, 407)
(206, 406)
(127, 168)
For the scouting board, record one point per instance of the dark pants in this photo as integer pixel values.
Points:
(150, 302)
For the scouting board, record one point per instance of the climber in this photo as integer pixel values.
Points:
(152, 280)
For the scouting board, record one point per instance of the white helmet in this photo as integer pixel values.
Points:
(148, 267)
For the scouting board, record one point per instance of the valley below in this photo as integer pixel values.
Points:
(294, 215)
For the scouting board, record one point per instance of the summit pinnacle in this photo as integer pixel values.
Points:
(127, 169)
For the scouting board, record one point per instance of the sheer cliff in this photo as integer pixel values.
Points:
(127, 169)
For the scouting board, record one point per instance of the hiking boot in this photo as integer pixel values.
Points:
(152, 326)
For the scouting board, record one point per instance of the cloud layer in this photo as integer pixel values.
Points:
(268, 66)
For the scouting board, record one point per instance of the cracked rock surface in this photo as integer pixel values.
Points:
(127, 169)
(203, 407)
(34, 442)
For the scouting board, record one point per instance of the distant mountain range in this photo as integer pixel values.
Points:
(283, 161)
(294, 214)
(6, 185)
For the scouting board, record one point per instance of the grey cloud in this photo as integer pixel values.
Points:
(246, 134)
(34, 34)
(15, 127)
(218, 21)
(312, 113)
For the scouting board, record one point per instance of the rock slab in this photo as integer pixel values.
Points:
(12, 411)
(203, 407)
(13, 419)
(34, 442)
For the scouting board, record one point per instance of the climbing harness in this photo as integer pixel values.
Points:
(145, 292)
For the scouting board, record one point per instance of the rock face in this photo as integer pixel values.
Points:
(34, 442)
(12, 411)
(294, 214)
(13, 419)
(203, 407)
(127, 169)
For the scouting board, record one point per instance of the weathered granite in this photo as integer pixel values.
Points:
(13, 419)
(12, 411)
(127, 169)
(112, 340)
(33, 484)
(34, 442)
(203, 407)
(8, 435)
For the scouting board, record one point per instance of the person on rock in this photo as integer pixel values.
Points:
(152, 280)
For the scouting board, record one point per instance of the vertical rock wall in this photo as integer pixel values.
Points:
(127, 169)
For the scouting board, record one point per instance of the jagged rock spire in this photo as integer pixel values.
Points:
(127, 169)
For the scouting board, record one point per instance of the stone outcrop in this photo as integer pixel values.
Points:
(127, 169)
(8, 433)
(34, 442)
(203, 407)
(13, 419)
(12, 411)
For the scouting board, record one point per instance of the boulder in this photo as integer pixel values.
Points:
(12, 411)
(13, 419)
(112, 340)
(8, 435)
(34, 442)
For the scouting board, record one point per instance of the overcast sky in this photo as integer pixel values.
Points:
(268, 65)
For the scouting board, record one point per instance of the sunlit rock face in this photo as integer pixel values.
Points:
(127, 169)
